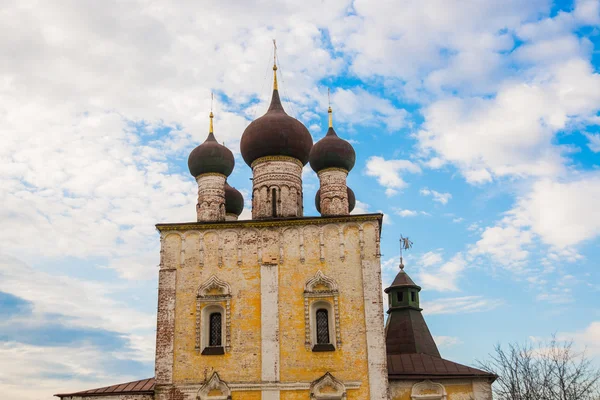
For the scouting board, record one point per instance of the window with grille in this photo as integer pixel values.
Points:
(322, 326)
(215, 329)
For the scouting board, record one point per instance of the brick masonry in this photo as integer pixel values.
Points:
(334, 192)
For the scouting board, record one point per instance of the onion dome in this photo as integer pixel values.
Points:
(332, 151)
(276, 134)
(211, 156)
(234, 201)
(351, 200)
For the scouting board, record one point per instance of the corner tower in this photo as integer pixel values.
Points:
(276, 147)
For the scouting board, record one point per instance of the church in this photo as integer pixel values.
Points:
(286, 306)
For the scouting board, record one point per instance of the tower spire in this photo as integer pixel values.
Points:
(211, 115)
(275, 65)
(329, 110)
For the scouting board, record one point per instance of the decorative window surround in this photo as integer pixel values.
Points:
(214, 384)
(321, 292)
(428, 390)
(327, 387)
(213, 296)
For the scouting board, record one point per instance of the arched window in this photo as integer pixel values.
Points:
(322, 326)
(215, 329)
(274, 202)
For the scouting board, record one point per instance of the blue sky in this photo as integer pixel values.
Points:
(475, 125)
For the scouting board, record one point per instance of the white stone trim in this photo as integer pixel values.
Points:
(214, 383)
(328, 387)
(428, 390)
(373, 304)
(269, 321)
(312, 298)
(206, 303)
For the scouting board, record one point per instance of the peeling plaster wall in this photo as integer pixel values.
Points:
(114, 397)
(456, 389)
(346, 250)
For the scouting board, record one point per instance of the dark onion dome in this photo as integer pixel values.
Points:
(234, 201)
(332, 152)
(211, 156)
(276, 134)
(351, 200)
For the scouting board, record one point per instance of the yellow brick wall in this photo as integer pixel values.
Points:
(243, 362)
(349, 363)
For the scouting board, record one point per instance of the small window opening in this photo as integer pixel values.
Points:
(400, 296)
(413, 296)
(322, 326)
(215, 329)
(274, 203)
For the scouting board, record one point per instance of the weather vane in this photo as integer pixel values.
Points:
(405, 244)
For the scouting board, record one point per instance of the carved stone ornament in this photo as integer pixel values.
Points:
(428, 390)
(214, 291)
(321, 287)
(327, 387)
(214, 389)
(320, 283)
(214, 287)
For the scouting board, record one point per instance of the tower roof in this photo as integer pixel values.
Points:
(402, 280)
(332, 151)
(211, 156)
(276, 133)
(406, 331)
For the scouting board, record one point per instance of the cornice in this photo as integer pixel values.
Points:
(276, 158)
(268, 223)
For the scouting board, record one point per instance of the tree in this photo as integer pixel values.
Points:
(552, 370)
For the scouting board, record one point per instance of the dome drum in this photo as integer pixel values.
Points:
(336, 200)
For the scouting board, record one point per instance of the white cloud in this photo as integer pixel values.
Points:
(81, 303)
(505, 243)
(445, 277)
(563, 214)
(34, 372)
(430, 258)
(388, 172)
(587, 339)
(360, 208)
(594, 142)
(357, 106)
(406, 213)
(437, 196)
(447, 341)
(460, 305)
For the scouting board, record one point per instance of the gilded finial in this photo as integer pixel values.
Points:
(211, 115)
(329, 110)
(275, 65)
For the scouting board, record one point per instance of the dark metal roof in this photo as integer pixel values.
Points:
(144, 386)
(402, 280)
(234, 201)
(421, 366)
(332, 152)
(406, 332)
(276, 134)
(211, 156)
